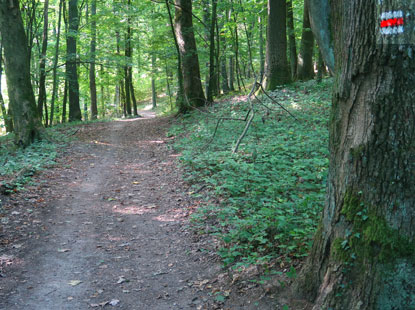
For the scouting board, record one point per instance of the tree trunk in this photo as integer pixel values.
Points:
(320, 67)
(261, 49)
(305, 63)
(363, 253)
(71, 69)
(276, 66)
(291, 36)
(65, 101)
(180, 101)
(55, 64)
(153, 81)
(231, 74)
(8, 123)
(133, 99)
(42, 64)
(211, 89)
(26, 120)
(101, 73)
(92, 72)
(192, 84)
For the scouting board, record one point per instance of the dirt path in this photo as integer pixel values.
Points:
(106, 227)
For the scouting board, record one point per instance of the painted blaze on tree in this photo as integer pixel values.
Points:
(396, 22)
(363, 256)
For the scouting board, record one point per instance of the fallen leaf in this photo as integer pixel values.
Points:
(75, 282)
(114, 302)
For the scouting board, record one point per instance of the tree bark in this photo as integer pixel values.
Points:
(7, 118)
(261, 48)
(42, 64)
(192, 84)
(305, 63)
(363, 253)
(26, 120)
(211, 89)
(276, 65)
(153, 81)
(291, 36)
(71, 67)
(92, 71)
(55, 64)
(180, 101)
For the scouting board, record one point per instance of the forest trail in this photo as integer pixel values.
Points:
(106, 227)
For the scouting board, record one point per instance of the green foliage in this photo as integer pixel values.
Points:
(270, 193)
(19, 165)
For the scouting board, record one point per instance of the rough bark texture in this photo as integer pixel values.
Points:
(276, 66)
(71, 68)
(363, 255)
(305, 63)
(26, 119)
(192, 84)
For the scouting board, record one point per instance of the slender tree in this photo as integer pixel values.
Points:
(55, 64)
(8, 122)
(305, 63)
(211, 89)
(42, 75)
(92, 72)
(291, 36)
(276, 66)
(363, 255)
(71, 67)
(26, 121)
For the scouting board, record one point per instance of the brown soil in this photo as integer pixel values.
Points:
(107, 227)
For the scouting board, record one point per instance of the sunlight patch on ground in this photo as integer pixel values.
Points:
(173, 216)
(132, 210)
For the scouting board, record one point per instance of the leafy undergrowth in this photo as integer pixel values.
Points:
(264, 202)
(18, 165)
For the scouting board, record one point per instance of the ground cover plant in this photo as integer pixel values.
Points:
(264, 202)
(18, 165)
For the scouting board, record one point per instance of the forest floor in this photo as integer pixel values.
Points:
(107, 227)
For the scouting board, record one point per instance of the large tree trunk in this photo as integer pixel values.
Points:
(71, 68)
(180, 101)
(192, 84)
(363, 255)
(276, 66)
(305, 63)
(26, 121)
(42, 64)
(92, 71)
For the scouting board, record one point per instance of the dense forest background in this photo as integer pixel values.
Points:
(125, 53)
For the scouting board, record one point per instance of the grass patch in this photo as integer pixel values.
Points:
(269, 196)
